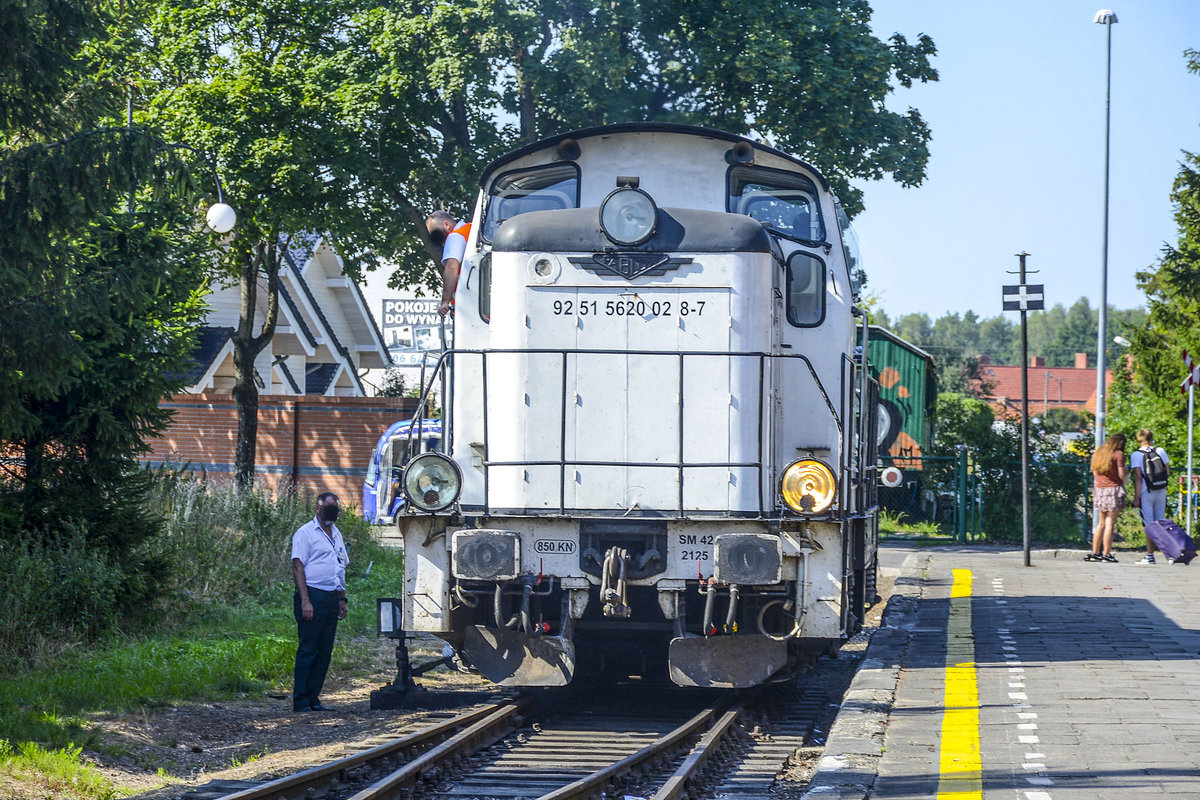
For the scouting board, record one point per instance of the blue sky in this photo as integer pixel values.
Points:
(1017, 155)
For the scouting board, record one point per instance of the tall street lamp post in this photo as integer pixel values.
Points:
(1107, 18)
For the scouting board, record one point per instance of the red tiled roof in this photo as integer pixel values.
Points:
(1067, 387)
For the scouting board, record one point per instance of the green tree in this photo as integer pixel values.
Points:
(1149, 396)
(952, 332)
(1042, 331)
(292, 99)
(999, 340)
(953, 341)
(353, 119)
(916, 328)
(1062, 420)
(574, 64)
(100, 265)
(1077, 334)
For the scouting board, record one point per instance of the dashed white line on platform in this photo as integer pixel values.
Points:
(1034, 765)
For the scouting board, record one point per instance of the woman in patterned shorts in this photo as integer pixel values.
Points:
(1108, 469)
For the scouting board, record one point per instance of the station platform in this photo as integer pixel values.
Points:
(1065, 680)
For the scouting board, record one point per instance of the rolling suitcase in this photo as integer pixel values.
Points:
(1171, 540)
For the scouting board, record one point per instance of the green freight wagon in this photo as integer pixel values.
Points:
(907, 400)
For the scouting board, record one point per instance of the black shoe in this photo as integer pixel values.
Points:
(319, 707)
(304, 710)
(1093, 557)
(1109, 557)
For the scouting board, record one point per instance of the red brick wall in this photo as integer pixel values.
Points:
(319, 443)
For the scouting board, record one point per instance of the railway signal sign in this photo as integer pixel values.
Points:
(1024, 297)
(1193, 374)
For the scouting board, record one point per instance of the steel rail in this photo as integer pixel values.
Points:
(483, 733)
(677, 784)
(593, 784)
(303, 784)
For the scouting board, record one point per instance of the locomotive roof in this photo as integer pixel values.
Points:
(645, 127)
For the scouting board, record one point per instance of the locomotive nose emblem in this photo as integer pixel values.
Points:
(631, 265)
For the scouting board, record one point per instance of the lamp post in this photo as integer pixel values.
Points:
(1107, 18)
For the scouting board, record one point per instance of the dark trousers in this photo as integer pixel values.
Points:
(315, 647)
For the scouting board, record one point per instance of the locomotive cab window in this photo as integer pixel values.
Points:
(538, 189)
(805, 290)
(783, 201)
(485, 286)
(850, 248)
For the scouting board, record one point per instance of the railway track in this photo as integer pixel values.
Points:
(586, 752)
(653, 742)
(387, 770)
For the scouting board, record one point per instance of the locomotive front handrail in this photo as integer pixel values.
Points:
(680, 464)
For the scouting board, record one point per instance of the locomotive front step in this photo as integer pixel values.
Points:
(514, 658)
(725, 662)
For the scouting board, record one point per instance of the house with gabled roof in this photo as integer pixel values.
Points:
(1049, 387)
(325, 336)
(316, 424)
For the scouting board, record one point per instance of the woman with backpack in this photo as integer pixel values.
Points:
(1149, 484)
(1108, 471)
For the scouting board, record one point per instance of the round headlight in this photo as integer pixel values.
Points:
(808, 486)
(628, 216)
(432, 482)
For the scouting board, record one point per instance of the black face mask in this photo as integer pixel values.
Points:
(437, 236)
(329, 513)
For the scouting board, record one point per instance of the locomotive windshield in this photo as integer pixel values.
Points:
(537, 189)
(783, 201)
(850, 248)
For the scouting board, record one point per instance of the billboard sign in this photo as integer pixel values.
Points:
(411, 330)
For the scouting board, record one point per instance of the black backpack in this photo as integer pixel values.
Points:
(1154, 469)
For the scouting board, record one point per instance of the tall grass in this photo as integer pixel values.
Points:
(225, 546)
(222, 626)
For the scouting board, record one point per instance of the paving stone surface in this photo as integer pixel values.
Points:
(1088, 680)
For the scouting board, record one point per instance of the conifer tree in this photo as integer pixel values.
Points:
(101, 265)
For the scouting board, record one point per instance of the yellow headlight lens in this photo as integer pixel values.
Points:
(808, 486)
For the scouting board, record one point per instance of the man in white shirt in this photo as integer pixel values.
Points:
(452, 235)
(319, 560)
(1152, 502)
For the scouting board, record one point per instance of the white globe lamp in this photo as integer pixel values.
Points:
(221, 217)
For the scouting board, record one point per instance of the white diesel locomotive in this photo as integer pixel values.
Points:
(654, 452)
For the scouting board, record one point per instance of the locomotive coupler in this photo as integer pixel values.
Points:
(612, 583)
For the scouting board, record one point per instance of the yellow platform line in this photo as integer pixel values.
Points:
(960, 774)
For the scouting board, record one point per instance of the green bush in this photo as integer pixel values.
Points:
(54, 592)
(1058, 481)
(73, 566)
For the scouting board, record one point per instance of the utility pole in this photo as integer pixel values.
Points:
(1024, 298)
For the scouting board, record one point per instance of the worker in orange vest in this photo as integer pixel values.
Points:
(452, 235)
